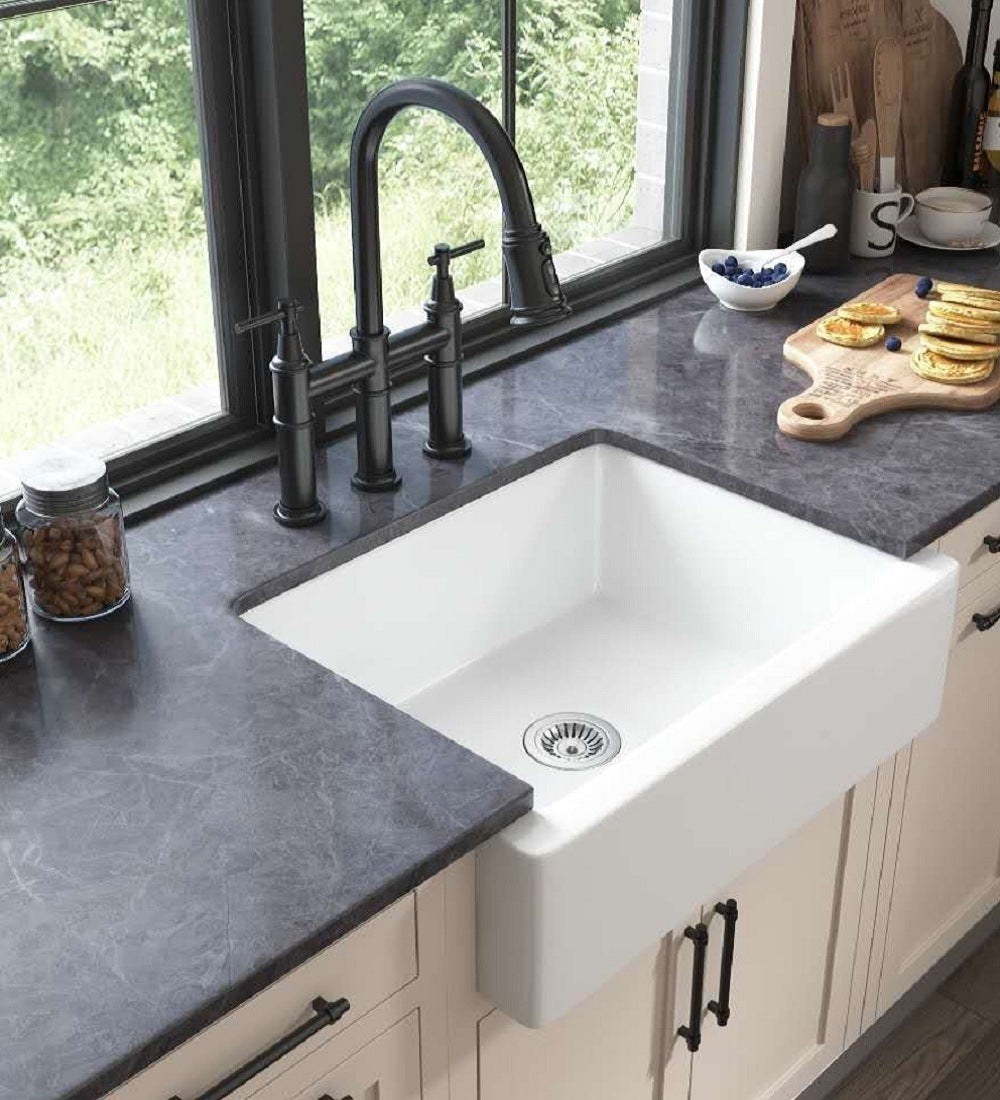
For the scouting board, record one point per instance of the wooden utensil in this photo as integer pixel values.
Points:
(865, 151)
(843, 96)
(888, 84)
(851, 384)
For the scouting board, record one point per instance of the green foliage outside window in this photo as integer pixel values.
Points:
(104, 292)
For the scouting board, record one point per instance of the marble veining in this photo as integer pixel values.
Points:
(188, 809)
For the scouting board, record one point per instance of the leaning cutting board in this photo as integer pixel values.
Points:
(852, 384)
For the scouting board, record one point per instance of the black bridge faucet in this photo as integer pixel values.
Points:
(535, 298)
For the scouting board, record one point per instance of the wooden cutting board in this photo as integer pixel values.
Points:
(828, 32)
(852, 384)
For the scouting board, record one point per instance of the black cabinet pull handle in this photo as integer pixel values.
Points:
(326, 1013)
(986, 622)
(327, 1096)
(992, 543)
(691, 1031)
(730, 912)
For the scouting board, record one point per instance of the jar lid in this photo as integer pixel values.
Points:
(61, 482)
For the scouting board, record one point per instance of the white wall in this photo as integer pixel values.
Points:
(958, 12)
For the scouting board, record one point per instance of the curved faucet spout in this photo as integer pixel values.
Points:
(536, 296)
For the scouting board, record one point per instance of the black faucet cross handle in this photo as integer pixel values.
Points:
(444, 254)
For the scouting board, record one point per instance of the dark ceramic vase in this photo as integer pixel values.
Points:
(826, 192)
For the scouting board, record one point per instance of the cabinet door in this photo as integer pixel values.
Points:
(946, 868)
(620, 1043)
(793, 963)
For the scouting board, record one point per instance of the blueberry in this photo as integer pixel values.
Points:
(719, 269)
(766, 278)
(746, 279)
(780, 276)
(923, 287)
(780, 269)
(893, 343)
(731, 261)
(766, 271)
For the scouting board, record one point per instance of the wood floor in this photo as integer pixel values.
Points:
(949, 1049)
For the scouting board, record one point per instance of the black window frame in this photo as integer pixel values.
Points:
(251, 99)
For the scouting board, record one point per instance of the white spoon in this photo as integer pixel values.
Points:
(824, 233)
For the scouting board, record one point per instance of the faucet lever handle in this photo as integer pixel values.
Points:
(288, 309)
(444, 254)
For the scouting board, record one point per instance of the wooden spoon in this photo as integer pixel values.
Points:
(888, 80)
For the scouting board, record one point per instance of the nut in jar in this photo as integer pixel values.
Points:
(72, 538)
(13, 613)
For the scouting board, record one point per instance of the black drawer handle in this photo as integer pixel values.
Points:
(327, 1096)
(691, 1031)
(986, 622)
(992, 543)
(326, 1013)
(730, 912)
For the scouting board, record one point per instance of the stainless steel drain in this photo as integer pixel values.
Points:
(572, 741)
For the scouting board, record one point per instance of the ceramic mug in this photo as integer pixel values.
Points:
(874, 217)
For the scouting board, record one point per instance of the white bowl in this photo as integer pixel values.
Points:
(749, 299)
(951, 215)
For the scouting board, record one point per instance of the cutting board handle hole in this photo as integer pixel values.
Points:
(810, 410)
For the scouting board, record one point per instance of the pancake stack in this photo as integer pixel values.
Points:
(960, 336)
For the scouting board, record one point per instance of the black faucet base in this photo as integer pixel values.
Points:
(451, 452)
(383, 483)
(299, 517)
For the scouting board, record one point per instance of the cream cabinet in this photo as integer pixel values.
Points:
(943, 859)
(387, 1037)
(792, 963)
(621, 1042)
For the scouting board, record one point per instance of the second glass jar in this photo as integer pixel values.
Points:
(72, 539)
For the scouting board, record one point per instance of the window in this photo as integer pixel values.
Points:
(589, 99)
(106, 328)
(168, 167)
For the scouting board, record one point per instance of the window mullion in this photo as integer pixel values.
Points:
(215, 46)
(287, 224)
(508, 93)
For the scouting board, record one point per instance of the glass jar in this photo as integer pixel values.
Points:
(72, 538)
(14, 636)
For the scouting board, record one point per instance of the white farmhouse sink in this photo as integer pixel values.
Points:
(755, 667)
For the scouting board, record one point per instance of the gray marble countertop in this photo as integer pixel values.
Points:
(188, 809)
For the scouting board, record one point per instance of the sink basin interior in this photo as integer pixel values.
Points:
(602, 583)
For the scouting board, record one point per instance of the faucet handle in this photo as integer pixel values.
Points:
(444, 254)
(288, 309)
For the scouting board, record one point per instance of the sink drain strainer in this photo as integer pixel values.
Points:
(572, 741)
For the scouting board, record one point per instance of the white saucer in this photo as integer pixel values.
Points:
(909, 230)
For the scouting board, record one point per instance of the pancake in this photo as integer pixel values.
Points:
(964, 288)
(849, 334)
(951, 372)
(934, 326)
(963, 315)
(870, 313)
(957, 349)
(985, 306)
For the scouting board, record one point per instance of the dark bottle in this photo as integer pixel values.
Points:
(964, 162)
(826, 192)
